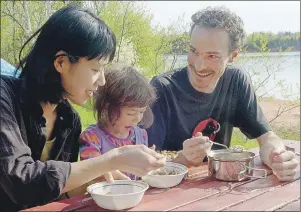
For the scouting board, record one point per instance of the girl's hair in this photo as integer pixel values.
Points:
(77, 32)
(124, 87)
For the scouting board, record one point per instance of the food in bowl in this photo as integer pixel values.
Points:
(169, 176)
(164, 171)
(119, 195)
(169, 155)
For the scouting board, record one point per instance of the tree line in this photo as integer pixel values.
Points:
(139, 43)
(281, 41)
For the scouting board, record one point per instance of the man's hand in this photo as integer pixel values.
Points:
(273, 153)
(283, 164)
(195, 149)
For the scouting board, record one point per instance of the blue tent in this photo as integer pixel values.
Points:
(8, 69)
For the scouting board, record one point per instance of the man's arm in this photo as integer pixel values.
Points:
(251, 121)
(273, 153)
(182, 160)
(249, 117)
(267, 142)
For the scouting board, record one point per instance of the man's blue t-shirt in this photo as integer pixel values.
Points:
(180, 111)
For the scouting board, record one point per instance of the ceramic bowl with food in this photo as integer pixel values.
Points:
(168, 176)
(119, 195)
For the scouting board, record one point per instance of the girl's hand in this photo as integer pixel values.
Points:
(115, 175)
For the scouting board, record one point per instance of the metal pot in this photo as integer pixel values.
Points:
(232, 166)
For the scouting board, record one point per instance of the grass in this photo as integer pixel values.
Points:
(86, 115)
(284, 132)
(288, 132)
(238, 138)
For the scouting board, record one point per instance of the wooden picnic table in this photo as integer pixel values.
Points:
(201, 193)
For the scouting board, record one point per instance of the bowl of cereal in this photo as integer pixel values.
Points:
(168, 176)
(169, 155)
(119, 195)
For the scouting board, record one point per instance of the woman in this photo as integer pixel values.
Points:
(40, 130)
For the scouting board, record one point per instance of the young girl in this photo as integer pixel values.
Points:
(119, 106)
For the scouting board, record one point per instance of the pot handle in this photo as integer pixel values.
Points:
(243, 174)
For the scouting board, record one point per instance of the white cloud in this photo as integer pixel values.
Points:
(271, 16)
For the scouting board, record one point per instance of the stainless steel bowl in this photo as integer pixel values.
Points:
(232, 166)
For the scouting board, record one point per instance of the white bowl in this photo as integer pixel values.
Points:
(121, 194)
(166, 181)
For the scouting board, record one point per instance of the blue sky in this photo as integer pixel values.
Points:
(271, 16)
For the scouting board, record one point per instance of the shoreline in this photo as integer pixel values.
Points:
(290, 118)
(242, 54)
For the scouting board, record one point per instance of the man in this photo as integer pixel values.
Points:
(206, 99)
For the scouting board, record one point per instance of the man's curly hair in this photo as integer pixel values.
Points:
(223, 18)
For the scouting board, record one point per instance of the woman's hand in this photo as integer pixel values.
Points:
(136, 159)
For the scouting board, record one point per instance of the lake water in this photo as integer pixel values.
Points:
(283, 68)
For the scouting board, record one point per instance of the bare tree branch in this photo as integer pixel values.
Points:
(48, 10)
(15, 20)
(158, 50)
(122, 30)
(279, 113)
(14, 44)
(262, 82)
(262, 95)
(27, 21)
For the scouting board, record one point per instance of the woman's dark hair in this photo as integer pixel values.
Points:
(77, 32)
(124, 87)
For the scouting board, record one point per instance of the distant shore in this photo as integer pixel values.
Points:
(291, 53)
(290, 118)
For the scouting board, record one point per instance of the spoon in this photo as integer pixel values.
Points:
(219, 144)
(235, 148)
